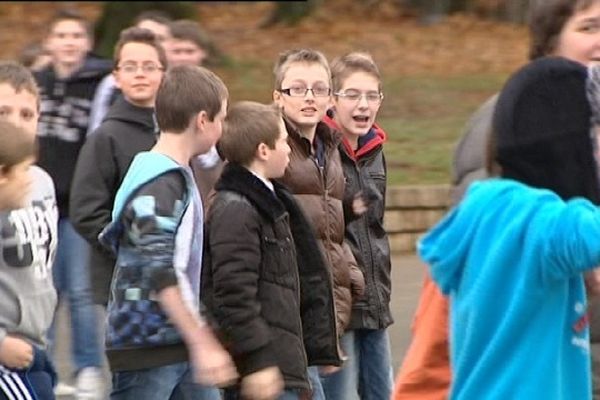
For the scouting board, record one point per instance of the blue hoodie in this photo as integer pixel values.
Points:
(511, 259)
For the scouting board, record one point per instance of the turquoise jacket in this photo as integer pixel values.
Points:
(154, 249)
(511, 259)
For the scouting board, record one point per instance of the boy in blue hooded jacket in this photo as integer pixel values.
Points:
(512, 254)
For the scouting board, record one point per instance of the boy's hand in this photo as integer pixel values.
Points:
(328, 369)
(266, 384)
(592, 282)
(15, 353)
(359, 204)
(212, 364)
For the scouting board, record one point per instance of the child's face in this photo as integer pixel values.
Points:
(15, 185)
(579, 39)
(184, 52)
(19, 108)
(139, 73)
(279, 156)
(68, 42)
(305, 110)
(357, 104)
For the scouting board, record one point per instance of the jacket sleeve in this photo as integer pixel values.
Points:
(151, 219)
(234, 240)
(94, 186)
(574, 240)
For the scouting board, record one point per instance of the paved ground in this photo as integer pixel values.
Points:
(407, 274)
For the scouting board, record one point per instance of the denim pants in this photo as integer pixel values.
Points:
(170, 382)
(234, 394)
(71, 273)
(367, 374)
(343, 384)
(373, 363)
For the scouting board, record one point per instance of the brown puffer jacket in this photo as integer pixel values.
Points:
(320, 190)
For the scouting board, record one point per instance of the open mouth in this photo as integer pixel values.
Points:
(361, 118)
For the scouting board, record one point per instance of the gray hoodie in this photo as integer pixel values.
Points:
(27, 248)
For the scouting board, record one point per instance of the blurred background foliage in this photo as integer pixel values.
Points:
(440, 59)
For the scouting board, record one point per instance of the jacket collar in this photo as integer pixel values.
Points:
(374, 138)
(238, 179)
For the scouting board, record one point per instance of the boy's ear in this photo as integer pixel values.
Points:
(3, 172)
(276, 96)
(117, 83)
(262, 152)
(200, 120)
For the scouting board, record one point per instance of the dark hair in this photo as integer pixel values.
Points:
(70, 15)
(247, 125)
(547, 19)
(186, 29)
(185, 91)
(139, 35)
(17, 145)
(19, 78)
(157, 16)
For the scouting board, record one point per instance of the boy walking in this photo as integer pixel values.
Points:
(28, 229)
(67, 87)
(154, 322)
(266, 282)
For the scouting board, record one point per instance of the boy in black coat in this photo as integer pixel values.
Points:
(266, 282)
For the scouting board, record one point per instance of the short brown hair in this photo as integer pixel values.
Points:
(17, 145)
(139, 35)
(247, 125)
(547, 19)
(185, 91)
(348, 64)
(186, 29)
(70, 15)
(289, 57)
(19, 78)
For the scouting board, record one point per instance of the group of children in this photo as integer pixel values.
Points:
(270, 276)
(284, 289)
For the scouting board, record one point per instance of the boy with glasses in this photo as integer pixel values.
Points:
(356, 99)
(128, 128)
(315, 176)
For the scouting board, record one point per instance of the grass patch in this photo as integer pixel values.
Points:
(424, 116)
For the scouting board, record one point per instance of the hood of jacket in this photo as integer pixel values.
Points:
(238, 179)
(374, 138)
(128, 113)
(144, 167)
(468, 231)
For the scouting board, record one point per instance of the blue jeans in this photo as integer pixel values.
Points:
(234, 394)
(170, 382)
(373, 361)
(315, 383)
(343, 384)
(71, 273)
